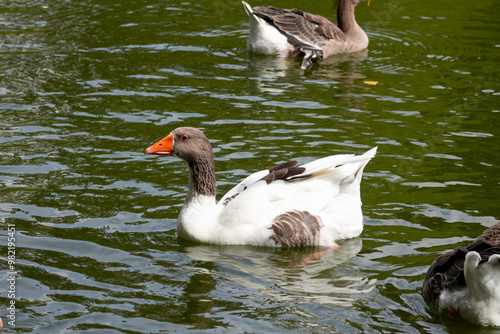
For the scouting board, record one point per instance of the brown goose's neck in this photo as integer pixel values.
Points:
(202, 177)
(346, 20)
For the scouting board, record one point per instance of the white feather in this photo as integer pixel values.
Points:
(479, 302)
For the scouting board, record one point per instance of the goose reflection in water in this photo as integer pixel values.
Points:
(283, 274)
(267, 72)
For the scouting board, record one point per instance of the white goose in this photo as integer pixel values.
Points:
(293, 33)
(286, 205)
(466, 281)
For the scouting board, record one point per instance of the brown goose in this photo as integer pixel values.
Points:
(292, 32)
(466, 281)
(285, 205)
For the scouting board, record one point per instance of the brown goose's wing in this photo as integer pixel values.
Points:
(491, 235)
(447, 271)
(306, 32)
(325, 27)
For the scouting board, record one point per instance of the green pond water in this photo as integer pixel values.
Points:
(86, 86)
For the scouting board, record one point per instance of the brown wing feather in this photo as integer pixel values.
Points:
(286, 164)
(296, 228)
(326, 27)
(284, 171)
(447, 270)
(443, 272)
(492, 235)
(268, 12)
(287, 171)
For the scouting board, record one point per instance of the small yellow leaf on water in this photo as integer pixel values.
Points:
(373, 83)
(369, 2)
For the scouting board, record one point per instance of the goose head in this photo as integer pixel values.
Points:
(186, 143)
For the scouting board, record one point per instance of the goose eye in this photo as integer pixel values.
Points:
(184, 137)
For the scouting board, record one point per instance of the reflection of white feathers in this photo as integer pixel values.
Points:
(330, 280)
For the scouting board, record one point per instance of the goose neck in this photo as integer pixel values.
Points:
(345, 16)
(202, 178)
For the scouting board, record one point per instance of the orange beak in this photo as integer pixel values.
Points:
(163, 147)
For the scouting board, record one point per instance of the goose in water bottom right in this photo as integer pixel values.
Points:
(466, 281)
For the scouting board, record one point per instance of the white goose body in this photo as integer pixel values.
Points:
(466, 281)
(292, 32)
(311, 205)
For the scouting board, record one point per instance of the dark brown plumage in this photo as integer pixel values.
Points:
(296, 228)
(283, 171)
